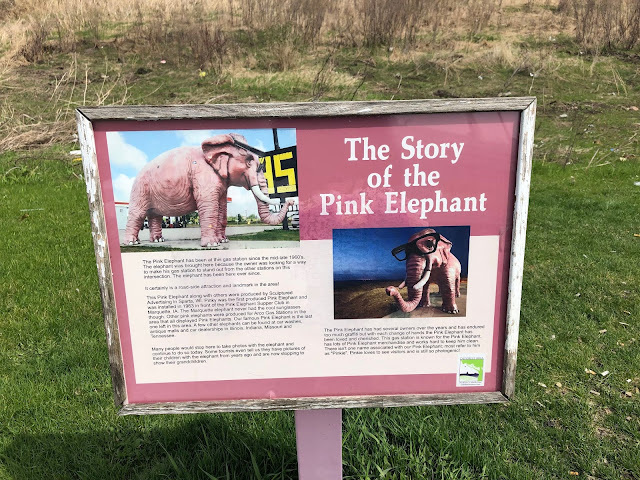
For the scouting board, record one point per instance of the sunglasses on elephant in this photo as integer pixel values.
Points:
(401, 252)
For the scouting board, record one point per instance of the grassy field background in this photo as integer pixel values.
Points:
(580, 305)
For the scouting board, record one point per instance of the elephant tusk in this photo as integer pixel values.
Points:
(262, 197)
(423, 280)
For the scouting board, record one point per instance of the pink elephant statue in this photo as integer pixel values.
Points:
(187, 179)
(429, 260)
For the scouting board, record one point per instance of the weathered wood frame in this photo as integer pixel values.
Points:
(87, 115)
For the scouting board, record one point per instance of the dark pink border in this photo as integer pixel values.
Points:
(298, 387)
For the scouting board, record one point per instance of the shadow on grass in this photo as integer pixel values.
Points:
(203, 446)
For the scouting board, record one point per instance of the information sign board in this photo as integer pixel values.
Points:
(399, 284)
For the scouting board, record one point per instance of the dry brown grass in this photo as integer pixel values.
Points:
(31, 29)
(51, 119)
(606, 23)
(303, 19)
(271, 41)
(19, 130)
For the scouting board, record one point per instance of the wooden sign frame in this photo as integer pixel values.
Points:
(89, 117)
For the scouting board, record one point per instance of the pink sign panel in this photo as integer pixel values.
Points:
(281, 259)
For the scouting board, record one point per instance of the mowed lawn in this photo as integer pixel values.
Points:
(579, 319)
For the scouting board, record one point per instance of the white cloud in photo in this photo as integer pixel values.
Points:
(124, 155)
(193, 138)
(122, 187)
(259, 145)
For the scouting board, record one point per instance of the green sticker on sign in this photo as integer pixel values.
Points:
(470, 371)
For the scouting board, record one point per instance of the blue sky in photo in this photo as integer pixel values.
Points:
(130, 151)
(365, 253)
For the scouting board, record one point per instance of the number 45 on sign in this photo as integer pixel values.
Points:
(281, 173)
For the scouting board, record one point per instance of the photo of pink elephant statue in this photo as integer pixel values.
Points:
(186, 179)
(428, 260)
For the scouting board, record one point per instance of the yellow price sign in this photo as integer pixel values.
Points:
(280, 171)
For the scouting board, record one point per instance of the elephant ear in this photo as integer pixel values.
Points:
(445, 243)
(217, 151)
(445, 247)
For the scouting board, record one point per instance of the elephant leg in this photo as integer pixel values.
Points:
(208, 209)
(222, 221)
(155, 228)
(208, 237)
(426, 300)
(138, 206)
(457, 285)
(448, 291)
(135, 221)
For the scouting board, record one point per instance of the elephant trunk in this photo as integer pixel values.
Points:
(415, 269)
(406, 306)
(268, 217)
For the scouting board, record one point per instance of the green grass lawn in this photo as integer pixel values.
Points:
(580, 310)
(269, 235)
